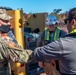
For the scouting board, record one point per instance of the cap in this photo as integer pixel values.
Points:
(4, 15)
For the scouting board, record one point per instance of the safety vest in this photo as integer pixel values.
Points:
(56, 34)
(73, 31)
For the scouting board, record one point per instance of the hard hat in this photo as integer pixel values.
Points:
(50, 20)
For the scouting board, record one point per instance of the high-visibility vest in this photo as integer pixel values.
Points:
(73, 31)
(56, 34)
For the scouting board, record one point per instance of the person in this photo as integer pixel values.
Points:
(10, 51)
(52, 33)
(63, 49)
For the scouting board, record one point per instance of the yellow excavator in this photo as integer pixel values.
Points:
(17, 26)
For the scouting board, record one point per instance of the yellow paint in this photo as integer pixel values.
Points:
(18, 30)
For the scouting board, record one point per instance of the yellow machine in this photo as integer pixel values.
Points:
(17, 25)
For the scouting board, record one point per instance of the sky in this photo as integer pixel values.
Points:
(39, 6)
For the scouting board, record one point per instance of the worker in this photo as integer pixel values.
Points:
(9, 50)
(50, 34)
(63, 49)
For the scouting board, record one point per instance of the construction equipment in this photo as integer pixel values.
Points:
(17, 26)
(31, 68)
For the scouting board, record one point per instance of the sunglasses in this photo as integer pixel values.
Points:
(67, 19)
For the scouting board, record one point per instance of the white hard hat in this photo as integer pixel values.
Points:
(50, 20)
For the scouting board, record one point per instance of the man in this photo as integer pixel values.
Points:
(10, 51)
(64, 49)
(52, 33)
